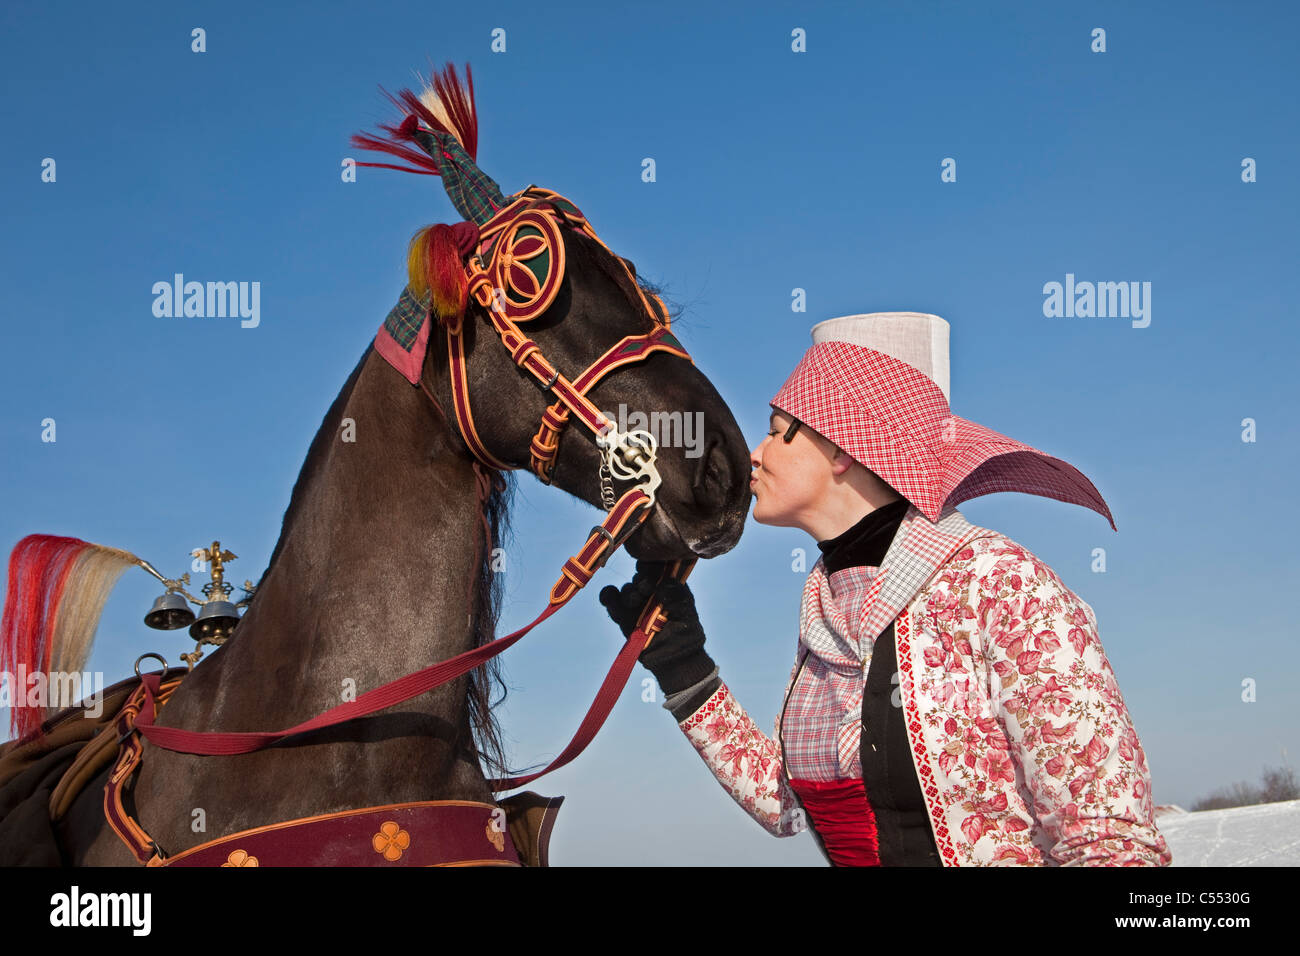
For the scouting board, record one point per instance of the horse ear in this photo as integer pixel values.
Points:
(436, 270)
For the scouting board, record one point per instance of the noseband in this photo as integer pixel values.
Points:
(525, 260)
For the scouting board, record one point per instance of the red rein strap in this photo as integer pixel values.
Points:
(576, 573)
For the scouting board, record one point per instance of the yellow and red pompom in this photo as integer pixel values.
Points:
(436, 272)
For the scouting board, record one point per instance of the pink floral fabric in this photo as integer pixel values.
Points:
(745, 761)
(1023, 746)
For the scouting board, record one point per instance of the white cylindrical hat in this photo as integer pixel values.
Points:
(917, 338)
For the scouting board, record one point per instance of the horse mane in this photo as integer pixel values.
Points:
(598, 257)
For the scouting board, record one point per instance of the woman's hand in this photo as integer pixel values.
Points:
(676, 656)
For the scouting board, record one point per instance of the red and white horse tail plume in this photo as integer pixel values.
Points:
(56, 594)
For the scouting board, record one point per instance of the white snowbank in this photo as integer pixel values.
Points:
(1263, 835)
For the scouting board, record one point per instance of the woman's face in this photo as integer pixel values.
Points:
(788, 480)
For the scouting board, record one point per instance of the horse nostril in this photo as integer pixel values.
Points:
(712, 475)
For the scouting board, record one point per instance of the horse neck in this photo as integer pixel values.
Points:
(374, 572)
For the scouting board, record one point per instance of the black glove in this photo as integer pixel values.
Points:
(676, 656)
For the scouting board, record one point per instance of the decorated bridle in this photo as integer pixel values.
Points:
(525, 260)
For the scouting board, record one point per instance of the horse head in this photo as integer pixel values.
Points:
(544, 350)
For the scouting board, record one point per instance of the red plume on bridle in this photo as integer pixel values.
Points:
(448, 144)
(449, 110)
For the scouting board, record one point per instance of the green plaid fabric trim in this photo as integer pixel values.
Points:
(473, 192)
(406, 318)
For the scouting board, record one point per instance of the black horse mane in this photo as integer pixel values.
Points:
(596, 254)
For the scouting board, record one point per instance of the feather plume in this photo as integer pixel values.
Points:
(444, 104)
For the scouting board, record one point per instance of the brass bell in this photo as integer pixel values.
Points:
(215, 622)
(170, 612)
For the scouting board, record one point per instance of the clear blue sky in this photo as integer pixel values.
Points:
(775, 170)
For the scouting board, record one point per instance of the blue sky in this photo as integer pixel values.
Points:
(776, 170)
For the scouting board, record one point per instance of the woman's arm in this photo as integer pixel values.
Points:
(745, 761)
(1064, 717)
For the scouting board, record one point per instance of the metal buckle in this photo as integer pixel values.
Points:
(547, 386)
(610, 546)
(616, 541)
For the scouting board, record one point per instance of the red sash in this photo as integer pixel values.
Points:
(843, 818)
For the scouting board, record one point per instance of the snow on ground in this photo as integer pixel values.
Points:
(1263, 835)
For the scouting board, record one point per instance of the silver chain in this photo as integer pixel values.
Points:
(629, 457)
(606, 486)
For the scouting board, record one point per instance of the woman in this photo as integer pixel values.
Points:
(950, 704)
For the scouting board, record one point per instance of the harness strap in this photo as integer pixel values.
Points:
(629, 349)
(422, 833)
(128, 759)
(571, 397)
(546, 443)
(460, 403)
(146, 699)
(612, 530)
(540, 210)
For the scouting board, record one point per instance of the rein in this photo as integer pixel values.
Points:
(526, 229)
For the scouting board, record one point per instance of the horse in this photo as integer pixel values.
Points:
(383, 562)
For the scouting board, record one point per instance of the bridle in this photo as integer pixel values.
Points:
(525, 262)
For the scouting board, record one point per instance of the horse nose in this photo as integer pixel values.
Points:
(713, 475)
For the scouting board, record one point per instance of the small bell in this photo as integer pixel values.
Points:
(169, 612)
(215, 622)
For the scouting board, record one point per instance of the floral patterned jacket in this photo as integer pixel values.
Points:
(1022, 743)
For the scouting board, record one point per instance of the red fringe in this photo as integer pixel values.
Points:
(38, 571)
(457, 98)
(426, 163)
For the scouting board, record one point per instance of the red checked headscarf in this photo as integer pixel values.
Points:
(877, 386)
